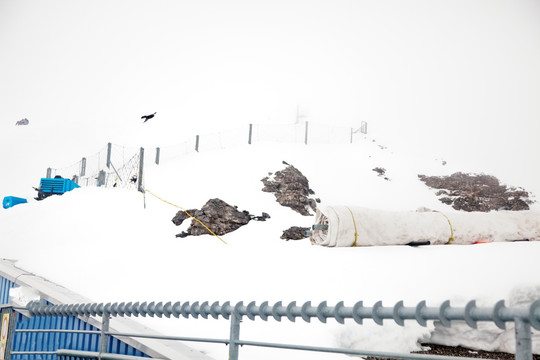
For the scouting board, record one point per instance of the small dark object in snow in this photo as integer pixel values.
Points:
(147, 117)
(419, 243)
(381, 171)
(263, 217)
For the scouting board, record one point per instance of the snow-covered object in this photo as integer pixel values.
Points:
(488, 336)
(357, 226)
(22, 295)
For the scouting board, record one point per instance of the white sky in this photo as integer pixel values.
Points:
(457, 77)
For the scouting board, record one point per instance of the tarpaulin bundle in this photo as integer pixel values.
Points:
(357, 226)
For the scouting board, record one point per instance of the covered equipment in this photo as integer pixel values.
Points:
(344, 226)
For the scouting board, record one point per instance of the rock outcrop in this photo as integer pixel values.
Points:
(218, 216)
(294, 233)
(291, 189)
(477, 192)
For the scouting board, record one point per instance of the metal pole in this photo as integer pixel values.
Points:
(104, 338)
(523, 339)
(141, 171)
(157, 155)
(83, 166)
(250, 133)
(109, 149)
(235, 336)
(49, 172)
(351, 134)
(197, 143)
(305, 141)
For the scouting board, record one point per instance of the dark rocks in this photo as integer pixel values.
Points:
(294, 233)
(291, 189)
(381, 172)
(477, 192)
(217, 215)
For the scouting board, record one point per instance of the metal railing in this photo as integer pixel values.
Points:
(523, 317)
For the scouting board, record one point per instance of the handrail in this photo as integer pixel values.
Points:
(524, 317)
(470, 313)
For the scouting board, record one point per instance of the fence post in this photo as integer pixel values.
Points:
(104, 338)
(157, 155)
(49, 173)
(109, 149)
(141, 171)
(523, 339)
(234, 336)
(250, 133)
(306, 137)
(197, 143)
(101, 178)
(83, 167)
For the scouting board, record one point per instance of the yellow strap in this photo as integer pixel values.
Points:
(451, 229)
(355, 231)
(184, 210)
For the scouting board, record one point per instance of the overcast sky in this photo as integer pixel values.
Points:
(460, 75)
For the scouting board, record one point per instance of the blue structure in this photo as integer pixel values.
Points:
(23, 341)
(10, 201)
(57, 185)
(46, 341)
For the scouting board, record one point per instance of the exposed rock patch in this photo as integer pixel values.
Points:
(294, 233)
(477, 192)
(291, 189)
(381, 172)
(218, 216)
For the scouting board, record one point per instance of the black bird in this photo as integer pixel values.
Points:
(147, 117)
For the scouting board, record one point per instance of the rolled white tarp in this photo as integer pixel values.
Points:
(357, 226)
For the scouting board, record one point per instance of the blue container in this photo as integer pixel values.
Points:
(10, 201)
(57, 186)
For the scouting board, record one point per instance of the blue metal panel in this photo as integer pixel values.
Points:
(23, 341)
(5, 286)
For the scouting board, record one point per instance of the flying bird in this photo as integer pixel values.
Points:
(147, 117)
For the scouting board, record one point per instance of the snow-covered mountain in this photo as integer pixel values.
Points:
(112, 244)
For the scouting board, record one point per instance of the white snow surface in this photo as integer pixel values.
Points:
(118, 245)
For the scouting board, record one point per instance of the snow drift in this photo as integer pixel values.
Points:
(357, 226)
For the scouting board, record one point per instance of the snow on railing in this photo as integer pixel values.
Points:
(524, 317)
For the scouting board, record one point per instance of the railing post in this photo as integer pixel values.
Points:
(157, 155)
(234, 336)
(306, 137)
(197, 143)
(523, 339)
(104, 338)
(250, 133)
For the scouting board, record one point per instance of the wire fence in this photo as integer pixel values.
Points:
(117, 166)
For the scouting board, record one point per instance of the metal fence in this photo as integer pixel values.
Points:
(120, 166)
(523, 317)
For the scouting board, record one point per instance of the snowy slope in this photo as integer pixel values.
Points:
(118, 245)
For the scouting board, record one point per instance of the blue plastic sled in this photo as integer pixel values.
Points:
(10, 201)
